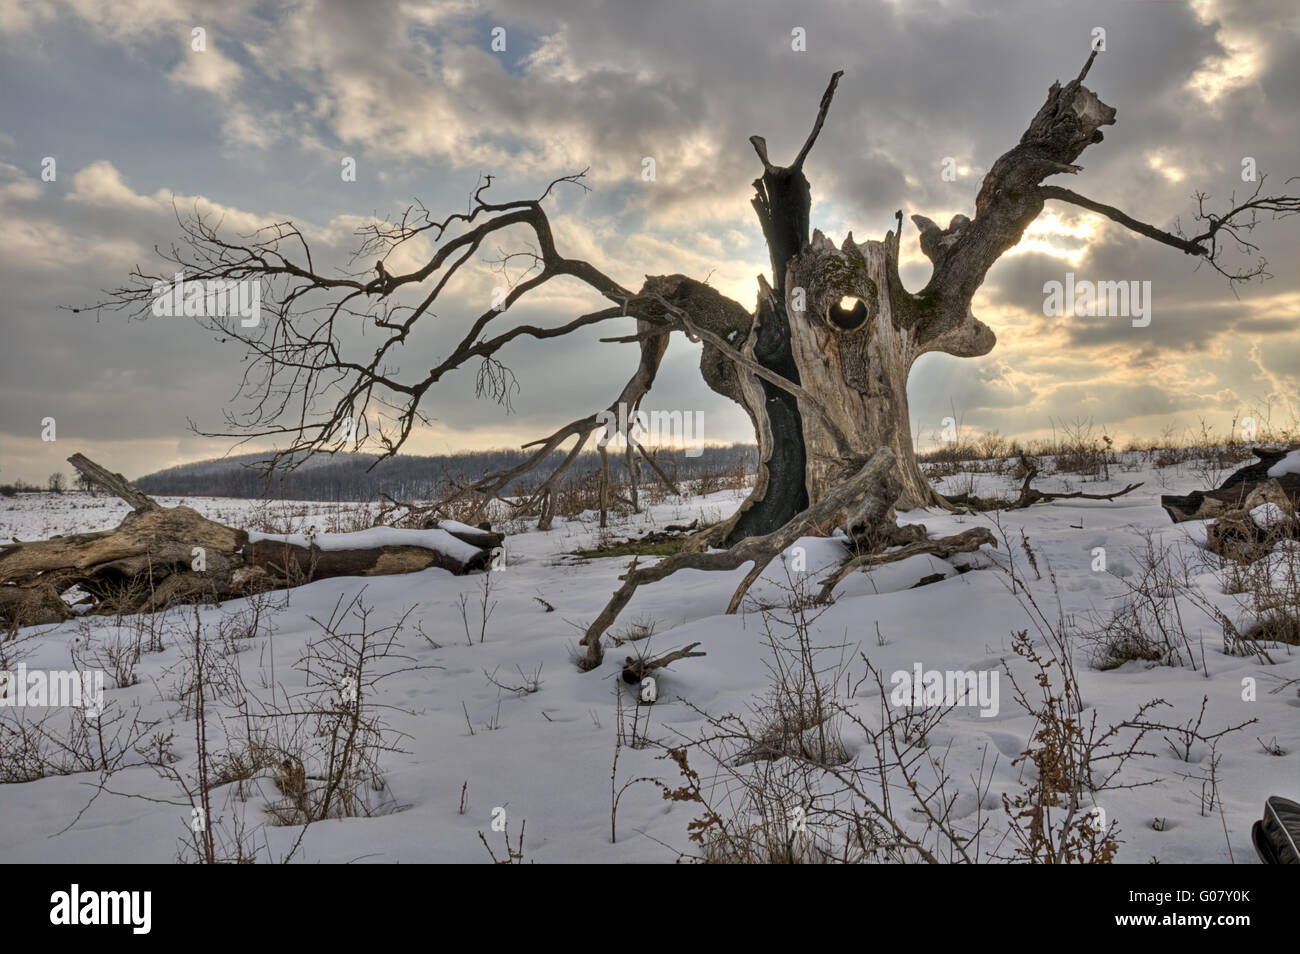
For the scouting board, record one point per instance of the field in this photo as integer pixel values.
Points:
(470, 716)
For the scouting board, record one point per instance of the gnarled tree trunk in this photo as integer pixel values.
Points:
(856, 359)
(839, 323)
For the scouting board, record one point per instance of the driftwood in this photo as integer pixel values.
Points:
(635, 669)
(158, 556)
(1030, 495)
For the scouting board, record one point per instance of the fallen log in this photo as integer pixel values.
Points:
(1249, 532)
(1208, 504)
(32, 605)
(480, 536)
(159, 555)
(152, 558)
(1266, 460)
(1030, 495)
(377, 552)
(1269, 488)
(144, 539)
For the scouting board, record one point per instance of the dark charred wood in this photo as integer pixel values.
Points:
(787, 491)
(1233, 492)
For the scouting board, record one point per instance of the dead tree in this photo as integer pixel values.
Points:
(820, 364)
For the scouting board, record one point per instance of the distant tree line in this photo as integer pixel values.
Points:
(56, 483)
(348, 477)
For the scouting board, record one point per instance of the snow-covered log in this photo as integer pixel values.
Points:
(374, 552)
(162, 555)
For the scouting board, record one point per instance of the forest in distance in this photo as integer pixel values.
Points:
(405, 477)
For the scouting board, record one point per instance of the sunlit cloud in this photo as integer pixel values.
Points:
(1160, 163)
(413, 92)
(1238, 65)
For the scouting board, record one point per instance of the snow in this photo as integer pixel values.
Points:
(41, 516)
(545, 757)
(455, 526)
(439, 540)
(1290, 464)
(1267, 516)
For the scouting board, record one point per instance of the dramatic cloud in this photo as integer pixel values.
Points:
(254, 127)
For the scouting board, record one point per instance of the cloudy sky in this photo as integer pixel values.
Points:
(256, 125)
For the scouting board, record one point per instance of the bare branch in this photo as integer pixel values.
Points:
(304, 382)
(1241, 217)
(1142, 228)
(1009, 200)
(822, 109)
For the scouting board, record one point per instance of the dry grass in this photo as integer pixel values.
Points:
(1084, 448)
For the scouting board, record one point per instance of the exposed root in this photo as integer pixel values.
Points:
(964, 542)
(855, 495)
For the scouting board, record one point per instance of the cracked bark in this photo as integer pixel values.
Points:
(853, 357)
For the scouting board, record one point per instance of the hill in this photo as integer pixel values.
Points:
(407, 477)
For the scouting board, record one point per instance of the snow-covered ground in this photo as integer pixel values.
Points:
(470, 748)
(41, 516)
